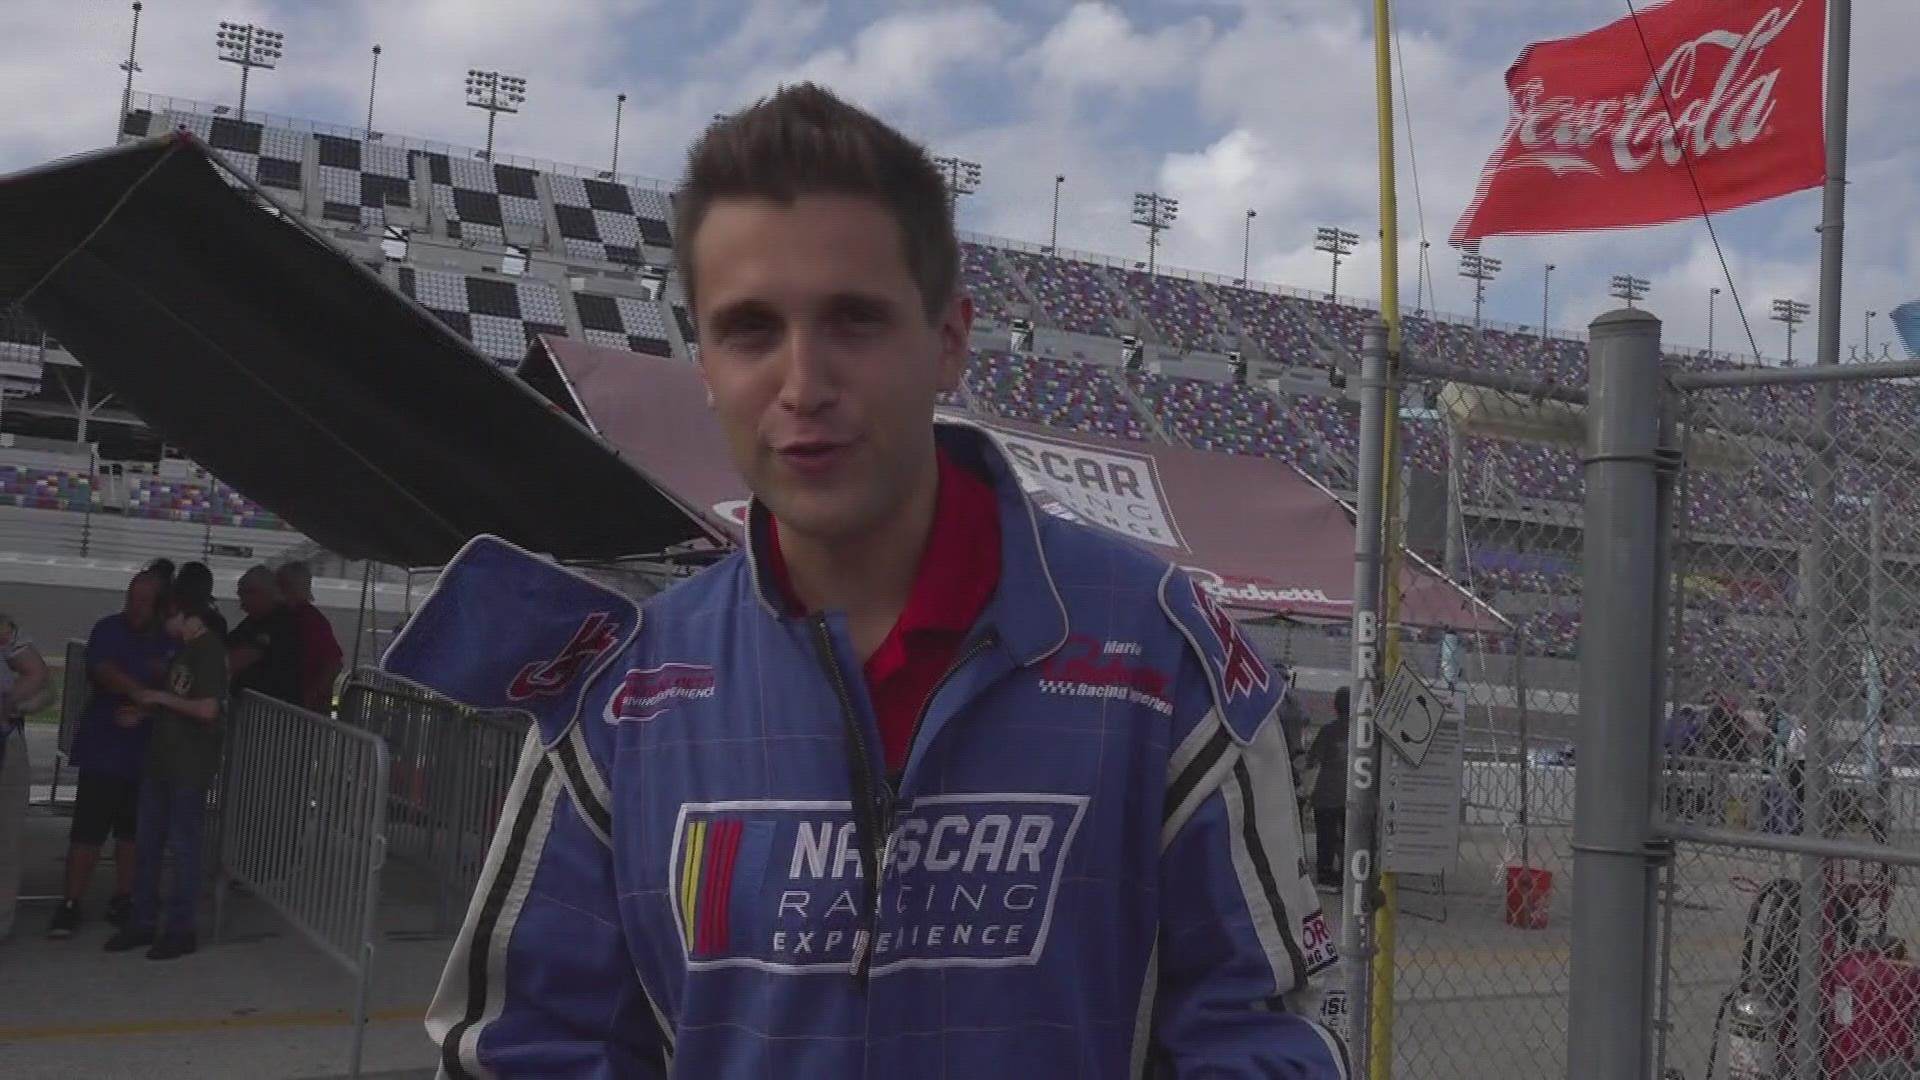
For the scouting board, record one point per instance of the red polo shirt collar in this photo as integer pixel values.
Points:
(958, 572)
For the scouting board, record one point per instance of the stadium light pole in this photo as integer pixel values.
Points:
(1866, 333)
(373, 83)
(1478, 269)
(1790, 313)
(1246, 248)
(619, 105)
(963, 178)
(1713, 294)
(1053, 231)
(1338, 243)
(129, 65)
(250, 47)
(1155, 213)
(1420, 281)
(1628, 288)
(1546, 298)
(496, 93)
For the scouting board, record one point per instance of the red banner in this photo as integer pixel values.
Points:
(1593, 141)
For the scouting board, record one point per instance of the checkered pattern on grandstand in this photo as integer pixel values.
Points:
(478, 199)
(623, 322)
(501, 316)
(360, 179)
(600, 219)
(270, 156)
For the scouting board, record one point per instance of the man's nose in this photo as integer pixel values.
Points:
(810, 383)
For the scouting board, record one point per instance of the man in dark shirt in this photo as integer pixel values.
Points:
(183, 754)
(126, 653)
(264, 650)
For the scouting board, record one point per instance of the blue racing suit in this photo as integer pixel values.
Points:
(1090, 866)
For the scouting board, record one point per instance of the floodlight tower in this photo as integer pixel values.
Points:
(1791, 313)
(1053, 232)
(1628, 288)
(963, 178)
(1478, 269)
(1338, 243)
(1713, 297)
(250, 47)
(1155, 213)
(496, 93)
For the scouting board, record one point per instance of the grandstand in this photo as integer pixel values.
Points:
(506, 250)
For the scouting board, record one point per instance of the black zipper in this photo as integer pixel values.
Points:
(873, 809)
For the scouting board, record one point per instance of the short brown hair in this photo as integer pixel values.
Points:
(805, 140)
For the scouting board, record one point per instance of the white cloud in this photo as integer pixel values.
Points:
(1262, 103)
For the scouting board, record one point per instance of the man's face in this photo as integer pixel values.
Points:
(823, 368)
(141, 594)
(177, 626)
(256, 598)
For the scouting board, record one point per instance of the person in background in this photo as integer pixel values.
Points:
(1328, 755)
(24, 687)
(127, 653)
(1683, 732)
(183, 755)
(264, 650)
(162, 568)
(319, 650)
(194, 582)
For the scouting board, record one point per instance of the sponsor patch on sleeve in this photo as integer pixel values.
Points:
(1316, 943)
(1245, 689)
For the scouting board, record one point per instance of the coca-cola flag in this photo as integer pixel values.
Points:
(1601, 139)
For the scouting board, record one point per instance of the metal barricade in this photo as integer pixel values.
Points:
(450, 770)
(303, 829)
(76, 693)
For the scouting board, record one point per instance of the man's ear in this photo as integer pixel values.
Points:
(956, 329)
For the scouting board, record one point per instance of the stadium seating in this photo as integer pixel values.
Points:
(1061, 394)
(1227, 417)
(608, 221)
(623, 322)
(45, 489)
(500, 315)
(273, 157)
(1276, 323)
(1073, 293)
(1181, 311)
(995, 291)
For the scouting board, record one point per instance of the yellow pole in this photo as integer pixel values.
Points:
(1381, 1036)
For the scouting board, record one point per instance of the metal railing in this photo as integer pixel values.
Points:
(76, 693)
(450, 771)
(302, 827)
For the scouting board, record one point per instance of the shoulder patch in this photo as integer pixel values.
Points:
(505, 629)
(1245, 689)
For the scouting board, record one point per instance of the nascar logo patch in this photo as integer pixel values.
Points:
(970, 881)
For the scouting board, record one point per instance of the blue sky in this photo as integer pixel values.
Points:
(1262, 104)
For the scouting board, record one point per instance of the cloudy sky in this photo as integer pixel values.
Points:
(1261, 104)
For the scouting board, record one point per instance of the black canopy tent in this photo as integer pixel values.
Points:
(301, 378)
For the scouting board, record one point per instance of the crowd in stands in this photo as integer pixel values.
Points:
(162, 672)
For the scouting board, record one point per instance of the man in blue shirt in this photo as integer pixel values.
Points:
(126, 654)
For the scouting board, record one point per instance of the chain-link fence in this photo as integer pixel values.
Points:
(1491, 497)
(1475, 840)
(1792, 745)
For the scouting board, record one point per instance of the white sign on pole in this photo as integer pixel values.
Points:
(1407, 715)
(1421, 804)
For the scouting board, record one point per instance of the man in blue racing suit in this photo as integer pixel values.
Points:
(922, 783)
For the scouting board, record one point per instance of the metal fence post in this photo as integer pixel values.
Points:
(1363, 792)
(1612, 821)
